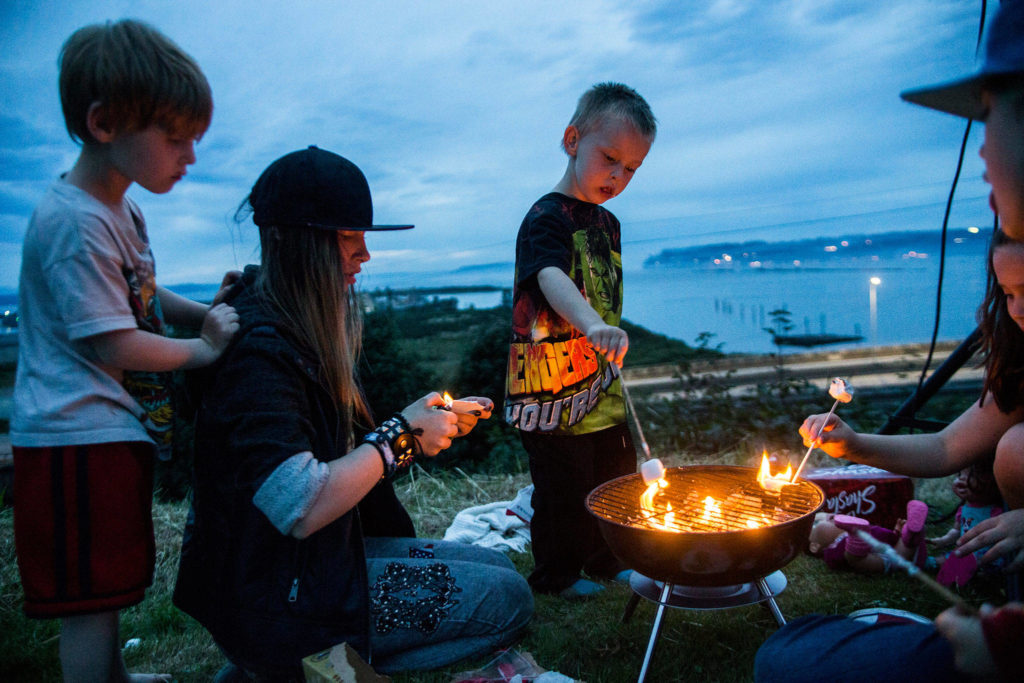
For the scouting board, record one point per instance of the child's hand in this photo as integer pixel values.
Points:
(1004, 533)
(833, 437)
(219, 325)
(970, 650)
(612, 342)
(230, 278)
(438, 427)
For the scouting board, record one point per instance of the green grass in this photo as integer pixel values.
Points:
(586, 640)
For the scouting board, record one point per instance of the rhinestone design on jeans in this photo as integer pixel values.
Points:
(418, 597)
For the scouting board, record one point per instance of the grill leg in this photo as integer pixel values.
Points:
(770, 603)
(656, 630)
(630, 606)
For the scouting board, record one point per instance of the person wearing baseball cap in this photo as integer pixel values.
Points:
(897, 647)
(994, 643)
(296, 541)
(994, 94)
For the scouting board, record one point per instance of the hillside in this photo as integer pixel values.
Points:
(440, 335)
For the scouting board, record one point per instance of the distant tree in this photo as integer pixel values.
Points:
(782, 324)
(493, 446)
(391, 377)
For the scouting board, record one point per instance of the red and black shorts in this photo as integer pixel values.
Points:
(83, 527)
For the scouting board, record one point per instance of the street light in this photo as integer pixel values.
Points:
(874, 281)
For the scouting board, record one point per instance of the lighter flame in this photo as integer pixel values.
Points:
(773, 482)
(447, 398)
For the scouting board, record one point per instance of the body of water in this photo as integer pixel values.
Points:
(735, 304)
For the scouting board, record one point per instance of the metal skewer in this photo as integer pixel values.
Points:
(651, 469)
(636, 419)
(842, 393)
(915, 571)
(814, 443)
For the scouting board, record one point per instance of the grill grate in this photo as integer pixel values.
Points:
(741, 502)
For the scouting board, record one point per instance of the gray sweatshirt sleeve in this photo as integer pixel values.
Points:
(291, 489)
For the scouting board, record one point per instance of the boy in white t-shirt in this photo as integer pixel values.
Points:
(88, 406)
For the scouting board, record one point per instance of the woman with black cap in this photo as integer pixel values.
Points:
(296, 541)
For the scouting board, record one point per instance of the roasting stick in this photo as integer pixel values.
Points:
(842, 393)
(651, 469)
(915, 571)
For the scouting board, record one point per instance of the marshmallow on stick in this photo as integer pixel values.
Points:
(842, 392)
(652, 470)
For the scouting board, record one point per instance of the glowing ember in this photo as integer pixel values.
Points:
(752, 505)
(773, 482)
(712, 509)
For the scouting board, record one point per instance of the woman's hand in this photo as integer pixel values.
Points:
(832, 437)
(1004, 532)
(438, 427)
(467, 419)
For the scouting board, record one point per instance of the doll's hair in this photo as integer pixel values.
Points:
(1002, 340)
(614, 99)
(982, 479)
(139, 77)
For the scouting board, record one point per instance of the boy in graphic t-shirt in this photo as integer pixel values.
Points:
(563, 390)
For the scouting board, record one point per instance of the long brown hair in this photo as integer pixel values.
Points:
(301, 279)
(1002, 341)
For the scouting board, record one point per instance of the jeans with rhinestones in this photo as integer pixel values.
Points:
(433, 602)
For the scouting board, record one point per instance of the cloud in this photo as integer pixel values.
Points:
(776, 113)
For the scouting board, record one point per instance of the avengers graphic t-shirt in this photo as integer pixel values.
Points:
(556, 383)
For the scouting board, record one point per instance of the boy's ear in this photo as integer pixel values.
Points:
(98, 123)
(571, 140)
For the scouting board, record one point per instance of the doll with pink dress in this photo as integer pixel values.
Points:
(833, 539)
(976, 487)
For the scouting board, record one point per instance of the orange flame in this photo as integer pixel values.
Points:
(447, 398)
(773, 482)
(648, 506)
(712, 509)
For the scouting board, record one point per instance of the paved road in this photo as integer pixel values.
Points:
(881, 367)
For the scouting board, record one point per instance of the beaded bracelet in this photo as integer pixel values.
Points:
(396, 443)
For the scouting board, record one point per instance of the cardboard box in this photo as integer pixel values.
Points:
(340, 664)
(873, 494)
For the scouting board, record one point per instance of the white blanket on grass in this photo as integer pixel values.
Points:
(488, 526)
